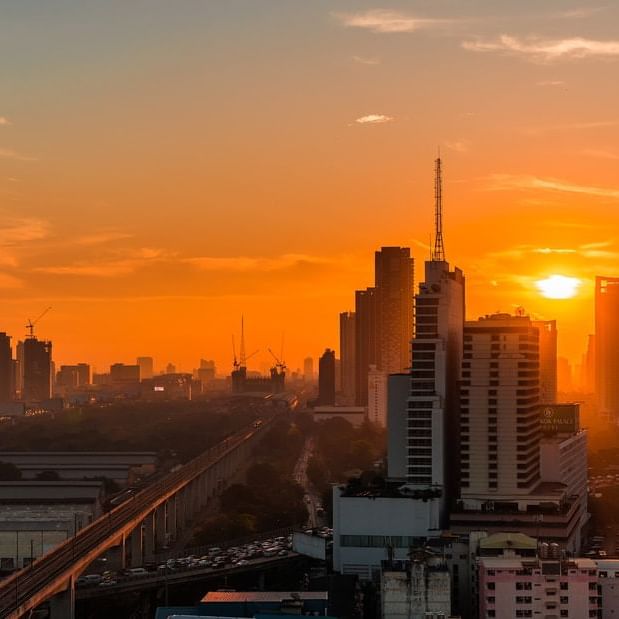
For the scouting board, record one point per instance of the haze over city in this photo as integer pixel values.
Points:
(169, 166)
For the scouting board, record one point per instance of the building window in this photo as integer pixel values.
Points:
(490, 585)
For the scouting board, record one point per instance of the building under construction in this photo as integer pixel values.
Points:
(275, 382)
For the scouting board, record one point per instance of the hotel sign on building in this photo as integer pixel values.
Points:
(559, 419)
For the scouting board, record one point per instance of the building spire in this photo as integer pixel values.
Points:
(438, 253)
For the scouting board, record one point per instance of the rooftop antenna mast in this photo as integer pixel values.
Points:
(438, 254)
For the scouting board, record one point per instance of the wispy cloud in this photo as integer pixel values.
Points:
(575, 126)
(551, 83)
(508, 181)
(366, 61)
(374, 119)
(19, 230)
(9, 153)
(459, 146)
(130, 261)
(4, 121)
(545, 50)
(386, 21)
(600, 154)
(105, 236)
(247, 263)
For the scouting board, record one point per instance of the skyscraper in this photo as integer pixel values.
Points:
(500, 399)
(607, 346)
(147, 367)
(347, 355)
(308, 369)
(547, 360)
(326, 378)
(6, 368)
(433, 406)
(393, 274)
(37, 370)
(366, 341)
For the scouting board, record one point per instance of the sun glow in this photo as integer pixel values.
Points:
(558, 287)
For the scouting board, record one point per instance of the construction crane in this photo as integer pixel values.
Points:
(280, 365)
(31, 323)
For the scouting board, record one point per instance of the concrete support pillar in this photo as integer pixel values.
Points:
(160, 527)
(135, 544)
(62, 605)
(149, 536)
(181, 509)
(210, 482)
(116, 556)
(172, 514)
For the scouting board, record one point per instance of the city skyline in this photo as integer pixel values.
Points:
(195, 206)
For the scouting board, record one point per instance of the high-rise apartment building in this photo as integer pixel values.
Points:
(433, 406)
(308, 369)
(6, 368)
(326, 378)
(147, 367)
(366, 341)
(548, 377)
(37, 370)
(607, 346)
(377, 396)
(72, 376)
(500, 414)
(347, 356)
(393, 272)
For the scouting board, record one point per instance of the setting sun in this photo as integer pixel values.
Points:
(558, 287)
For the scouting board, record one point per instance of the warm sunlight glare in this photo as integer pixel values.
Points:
(558, 287)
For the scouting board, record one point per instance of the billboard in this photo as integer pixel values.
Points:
(559, 418)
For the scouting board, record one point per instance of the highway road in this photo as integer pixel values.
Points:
(52, 573)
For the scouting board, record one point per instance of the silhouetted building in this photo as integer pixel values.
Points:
(326, 378)
(72, 376)
(170, 368)
(6, 368)
(393, 274)
(275, 382)
(377, 396)
(37, 370)
(564, 376)
(308, 369)
(122, 374)
(433, 408)
(500, 417)
(607, 346)
(547, 359)
(366, 341)
(147, 367)
(347, 355)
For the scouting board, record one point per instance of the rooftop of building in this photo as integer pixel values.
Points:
(386, 489)
(262, 596)
(548, 566)
(508, 540)
(340, 410)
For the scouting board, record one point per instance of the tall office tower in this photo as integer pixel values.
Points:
(347, 356)
(147, 367)
(326, 378)
(547, 360)
(366, 341)
(500, 415)
(433, 406)
(37, 370)
(393, 272)
(607, 346)
(308, 369)
(6, 368)
(122, 374)
(83, 374)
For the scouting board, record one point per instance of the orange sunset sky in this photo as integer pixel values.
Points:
(168, 165)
